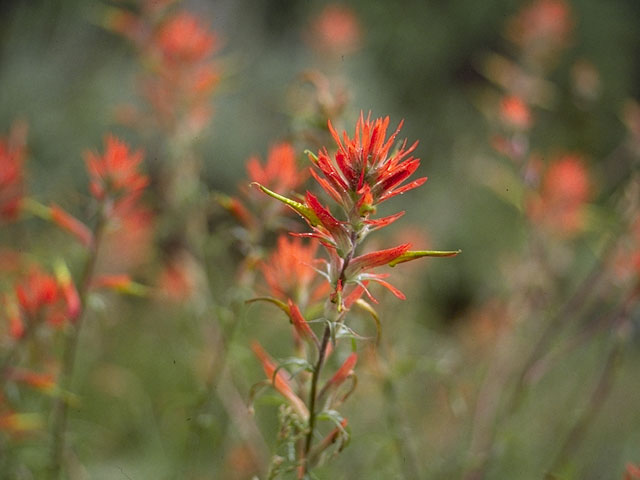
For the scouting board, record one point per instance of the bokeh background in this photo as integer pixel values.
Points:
(142, 363)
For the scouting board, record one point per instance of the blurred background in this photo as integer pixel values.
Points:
(454, 352)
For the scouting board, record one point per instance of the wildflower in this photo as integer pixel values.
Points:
(182, 38)
(632, 472)
(515, 113)
(41, 296)
(280, 172)
(289, 271)
(116, 172)
(37, 291)
(542, 28)
(564, 192)
(11, 177)
(336, 30)
(365, 167)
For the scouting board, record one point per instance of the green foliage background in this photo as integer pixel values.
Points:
(420, 61)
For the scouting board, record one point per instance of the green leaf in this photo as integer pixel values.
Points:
(304, 211)
(413, 255)
(366, 306)
(278, 303)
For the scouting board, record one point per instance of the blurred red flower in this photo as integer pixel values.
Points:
(563, 194)
(336, 30)
(12, 155)
(280, 172)
(115, 173)
(182, 38)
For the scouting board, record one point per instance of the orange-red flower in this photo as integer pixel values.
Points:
(542, 28)
(37, 291)
(564, 192)
(290, 272)
(515, 113)
(11, 178)
(182, 38)
(280, 172)
(632, 472)
(115, 173)
(365, 166)
(336, 30)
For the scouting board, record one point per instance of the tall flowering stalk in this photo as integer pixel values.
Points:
(365, 171)
(116, 185)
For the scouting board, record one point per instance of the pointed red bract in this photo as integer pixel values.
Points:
(279, 382)
(375, 259)
(344, 371)
(300, 324)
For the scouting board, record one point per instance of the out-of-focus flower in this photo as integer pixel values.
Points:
(280, 172)
(279, 382)
(183, 39)
(542, 28)
(289, 271)
(336, 30)
(37, 291)
(41, 297)
(565, 189)
(115, 173)
(632, 472)
(12, 155)
(515, 113)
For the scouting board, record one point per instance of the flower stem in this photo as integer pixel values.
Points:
(60, 406)
(312, 398)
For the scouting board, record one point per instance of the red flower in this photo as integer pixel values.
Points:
(37, 291)
(564, 192)
(116, 172)
(542, 27)
(632, 472)
(184, 39)
(289, 271)
(365, 166)
(515, 113)
(336, 30)
(280, 172)
(11, 178)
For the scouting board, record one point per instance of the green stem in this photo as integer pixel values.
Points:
(312, 397)
(60, 406)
